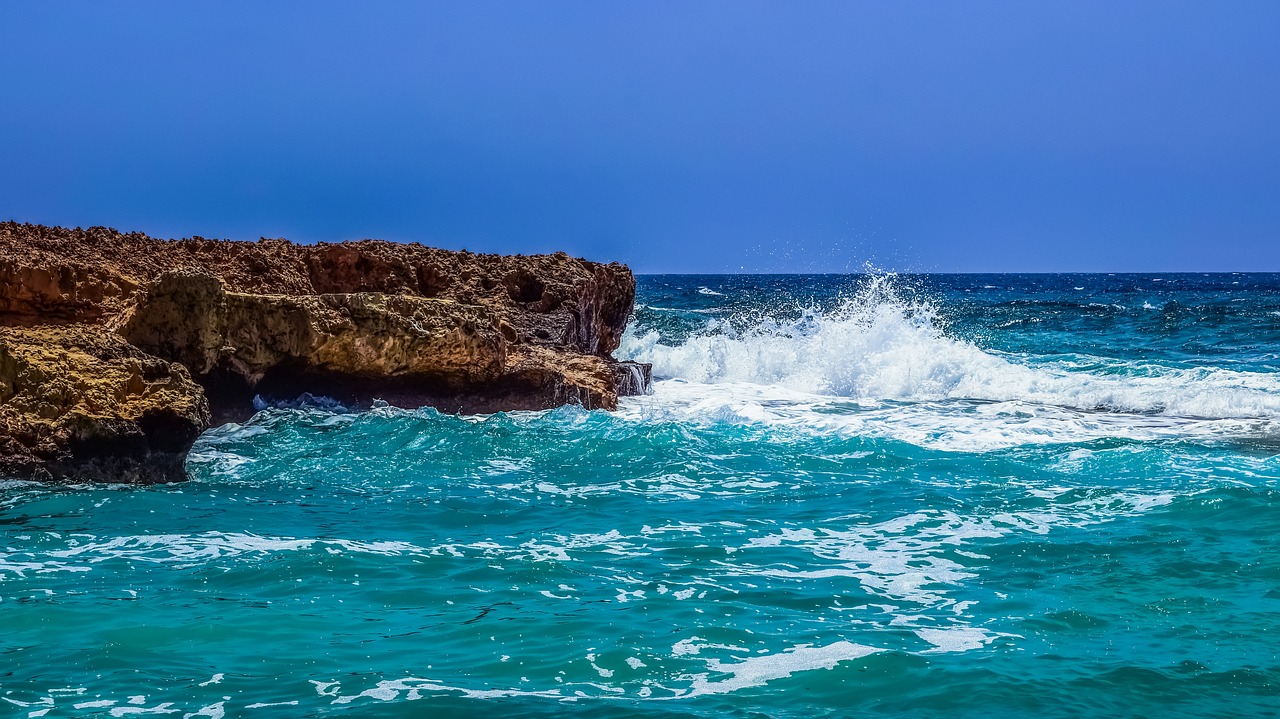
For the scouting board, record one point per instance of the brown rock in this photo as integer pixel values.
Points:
(352, 347)
(54, 274)
(356, 321)
(80, 404)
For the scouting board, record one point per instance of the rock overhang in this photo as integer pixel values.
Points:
(404, 323)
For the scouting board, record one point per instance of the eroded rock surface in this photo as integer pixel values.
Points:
(358, 321)
(55, 275)
(80, 403)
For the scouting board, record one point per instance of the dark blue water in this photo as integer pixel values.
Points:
(921, 496)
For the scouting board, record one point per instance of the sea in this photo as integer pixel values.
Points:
(847, 495)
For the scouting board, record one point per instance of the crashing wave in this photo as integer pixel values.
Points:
(881, 344)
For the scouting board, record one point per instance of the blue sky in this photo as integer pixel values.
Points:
(675, 136)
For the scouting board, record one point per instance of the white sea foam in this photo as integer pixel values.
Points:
(414, 688)
(949, 425)
(911, 558)
(956, 639)
(759, 670)
(752, 671)
(881, 351)
(196, 549)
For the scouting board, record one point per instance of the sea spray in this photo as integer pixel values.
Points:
(881, 343)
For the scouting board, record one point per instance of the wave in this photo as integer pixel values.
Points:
(306, 400)
(882, 345)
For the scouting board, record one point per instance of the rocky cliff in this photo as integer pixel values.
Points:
(80, 404)
(116, 349)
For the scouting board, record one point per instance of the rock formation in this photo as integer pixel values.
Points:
(116, 349)
(77, 403)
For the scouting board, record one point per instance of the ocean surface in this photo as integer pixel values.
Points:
(938, 496)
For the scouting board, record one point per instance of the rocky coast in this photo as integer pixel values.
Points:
(118, 349)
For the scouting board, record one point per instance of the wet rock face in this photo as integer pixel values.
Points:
(80, 404)
(408, 324)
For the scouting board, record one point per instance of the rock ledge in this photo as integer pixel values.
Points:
(117, 350)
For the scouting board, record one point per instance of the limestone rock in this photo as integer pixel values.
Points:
(347, 346)
(80, 404)
(54, 274)
(356, 321)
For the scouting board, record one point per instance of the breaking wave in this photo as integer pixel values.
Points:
(883, 345)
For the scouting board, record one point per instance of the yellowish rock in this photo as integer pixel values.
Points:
(79, 403)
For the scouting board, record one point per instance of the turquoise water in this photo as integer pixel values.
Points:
(918, 496)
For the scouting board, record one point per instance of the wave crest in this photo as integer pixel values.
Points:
(883, 344)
